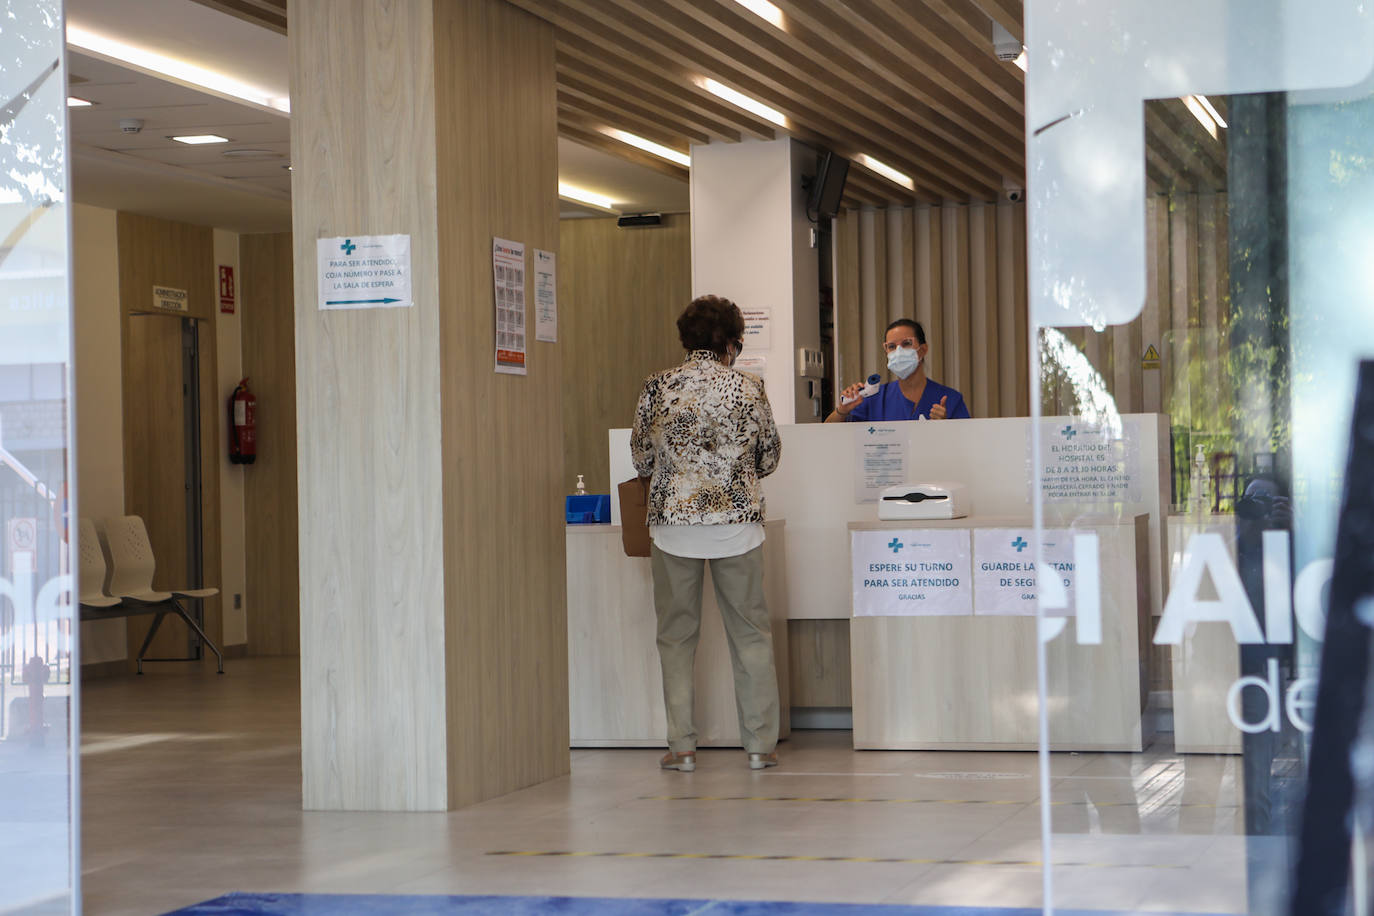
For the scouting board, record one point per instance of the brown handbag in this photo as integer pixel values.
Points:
(634, 514)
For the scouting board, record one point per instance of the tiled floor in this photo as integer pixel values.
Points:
(191, 790)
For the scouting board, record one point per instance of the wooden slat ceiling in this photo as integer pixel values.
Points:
(913, 83)
(269, 13)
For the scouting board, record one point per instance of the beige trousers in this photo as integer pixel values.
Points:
(739, 593)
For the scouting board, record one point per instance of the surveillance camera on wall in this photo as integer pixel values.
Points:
(1013, 191)
(130, 125)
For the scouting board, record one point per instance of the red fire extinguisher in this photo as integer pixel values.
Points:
(243, 432)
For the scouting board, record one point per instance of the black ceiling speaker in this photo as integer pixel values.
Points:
(640, 221)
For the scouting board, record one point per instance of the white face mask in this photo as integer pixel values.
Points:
(903, 361)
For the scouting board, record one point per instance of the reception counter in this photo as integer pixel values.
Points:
(965, 681)
(814, 489)
(615, 688)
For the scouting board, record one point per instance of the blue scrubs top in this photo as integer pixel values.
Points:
(890, 404)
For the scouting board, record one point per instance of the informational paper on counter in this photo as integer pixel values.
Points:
(545, 296)
(880, 458)
(921, 572)
(508, 279)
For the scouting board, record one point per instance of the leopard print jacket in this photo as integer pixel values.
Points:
(704, 435)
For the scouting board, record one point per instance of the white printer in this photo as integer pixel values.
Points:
(938, 499)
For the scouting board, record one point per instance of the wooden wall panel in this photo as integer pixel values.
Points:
(819, 663)
(848, 326)
(271, 521)
(155, 252)
(968, 270)
(961, 272)
(374, 732)
(505, 578)
(620, 292)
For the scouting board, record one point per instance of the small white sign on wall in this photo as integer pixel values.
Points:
(168, 299)
(758, 329)
(920, 572)
(363, 272)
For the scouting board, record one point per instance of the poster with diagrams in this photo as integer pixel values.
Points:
(508, 279)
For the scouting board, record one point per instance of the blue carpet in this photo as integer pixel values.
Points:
(389, 905)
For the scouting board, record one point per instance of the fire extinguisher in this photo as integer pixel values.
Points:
(243, 432)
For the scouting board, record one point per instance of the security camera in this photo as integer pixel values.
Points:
(130, 125)
(1013, 191)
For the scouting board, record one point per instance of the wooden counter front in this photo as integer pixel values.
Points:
(615, 688)
(969, 682)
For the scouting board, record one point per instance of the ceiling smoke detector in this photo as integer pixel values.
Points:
(131, 125)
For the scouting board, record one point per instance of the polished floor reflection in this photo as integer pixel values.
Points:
(192, 791)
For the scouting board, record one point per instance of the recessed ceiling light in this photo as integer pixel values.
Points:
(765, 11)
(170, 66)
(583, 196)
(200, 139)
(885, 170)
(740, 100)
(1211, 110)
(74, 102)
(1203, 114)
(649, 146)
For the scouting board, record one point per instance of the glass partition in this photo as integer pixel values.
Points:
(38, 658)
(1201, 230)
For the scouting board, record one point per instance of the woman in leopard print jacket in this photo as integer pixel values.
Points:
(703, 438)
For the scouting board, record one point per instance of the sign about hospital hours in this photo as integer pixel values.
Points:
(1004, 568)
(508, 285)
(1084, 462)
(922, 572)
(364, 272)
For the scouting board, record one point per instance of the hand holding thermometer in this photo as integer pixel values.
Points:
(867, 391)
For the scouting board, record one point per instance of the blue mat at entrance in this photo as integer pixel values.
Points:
(405, 905)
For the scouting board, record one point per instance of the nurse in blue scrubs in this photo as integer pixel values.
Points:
(910, 396)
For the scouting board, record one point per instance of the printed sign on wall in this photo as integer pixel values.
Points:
(914, 573)
(364, 272)
(508, 285)
(1004, 568)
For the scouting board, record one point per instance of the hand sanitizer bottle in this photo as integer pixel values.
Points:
(581, 489)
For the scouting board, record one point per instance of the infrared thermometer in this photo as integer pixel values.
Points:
(867, 391)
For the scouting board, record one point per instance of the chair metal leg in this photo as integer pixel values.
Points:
(191, 622)
(148, 640)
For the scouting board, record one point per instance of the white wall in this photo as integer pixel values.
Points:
(99, 395)
(751, 244)
(229, 342)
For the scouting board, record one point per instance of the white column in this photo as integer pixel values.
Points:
(751, 243)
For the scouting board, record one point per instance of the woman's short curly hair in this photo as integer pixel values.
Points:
(710, 323)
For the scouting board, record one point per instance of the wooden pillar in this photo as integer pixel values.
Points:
(433, 607)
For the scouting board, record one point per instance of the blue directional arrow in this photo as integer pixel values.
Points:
(360, 301)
